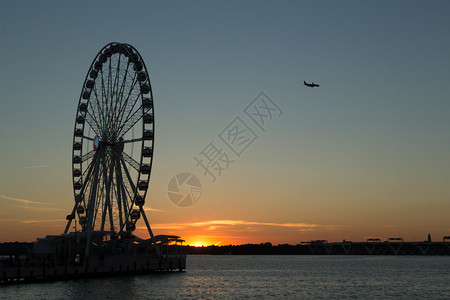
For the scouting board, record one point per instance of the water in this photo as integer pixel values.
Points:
(268, 277)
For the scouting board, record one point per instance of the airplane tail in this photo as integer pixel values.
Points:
(304, 82)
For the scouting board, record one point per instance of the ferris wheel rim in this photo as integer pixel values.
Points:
(139, 186)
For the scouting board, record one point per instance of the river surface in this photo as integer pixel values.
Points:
(264, 277)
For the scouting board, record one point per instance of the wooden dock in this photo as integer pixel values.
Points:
(20, 271)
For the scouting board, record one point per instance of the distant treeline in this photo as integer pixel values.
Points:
(16, 248)
(249, 249)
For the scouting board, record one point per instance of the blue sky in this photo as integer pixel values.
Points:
(365, 154)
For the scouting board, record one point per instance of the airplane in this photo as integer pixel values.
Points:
(310, 84)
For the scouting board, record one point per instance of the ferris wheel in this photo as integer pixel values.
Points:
(112, 151)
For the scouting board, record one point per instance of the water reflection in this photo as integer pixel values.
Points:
(292, 277)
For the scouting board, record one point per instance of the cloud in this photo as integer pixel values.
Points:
(153, 209)
(170, 226)
(46, 208)
(215, 224)
(41, 221)
(33, 167)
(25, 201)
(242, 222)
(42, 206)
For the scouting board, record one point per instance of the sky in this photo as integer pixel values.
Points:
(366, 154)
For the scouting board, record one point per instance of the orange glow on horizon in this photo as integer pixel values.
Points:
(199, 242)
(223, 232)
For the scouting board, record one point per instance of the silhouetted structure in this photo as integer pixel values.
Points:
(374, 246)
(59, 257)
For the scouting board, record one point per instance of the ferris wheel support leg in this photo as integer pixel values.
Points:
(121, 195)
(76, 203)
(107, 182)
(70, 220)
(149, 230)
(91, 212)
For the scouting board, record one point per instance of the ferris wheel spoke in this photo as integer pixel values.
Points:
(100, 117)
(91, 120)
(111, 189)
(88, 176)
(100, 192)
(131, 161)
(109, 94)
(104, 100)
(133, 140)
(109, 101)
(147, 118)
(130, 180)
(98, 202)
(106, 96)
(107, 181)
(115, 90)
(112, 93)
(88, 155)
(134, 191)
(87, 137)
(124, 80)
(129, 115)
(100, 97)
(128, 177)
(87, 172)
(121, 90)
(127, 106)
(130, 121)
(131, 99)
(129, 82)
(118, 194)
(92, 199)
(103, 91)
(102, 204)
(123, 204)
(127, 203)
(125, 191)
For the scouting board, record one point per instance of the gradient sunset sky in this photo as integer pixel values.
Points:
(367, 154)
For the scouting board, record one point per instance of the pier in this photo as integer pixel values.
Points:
(56, 258)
